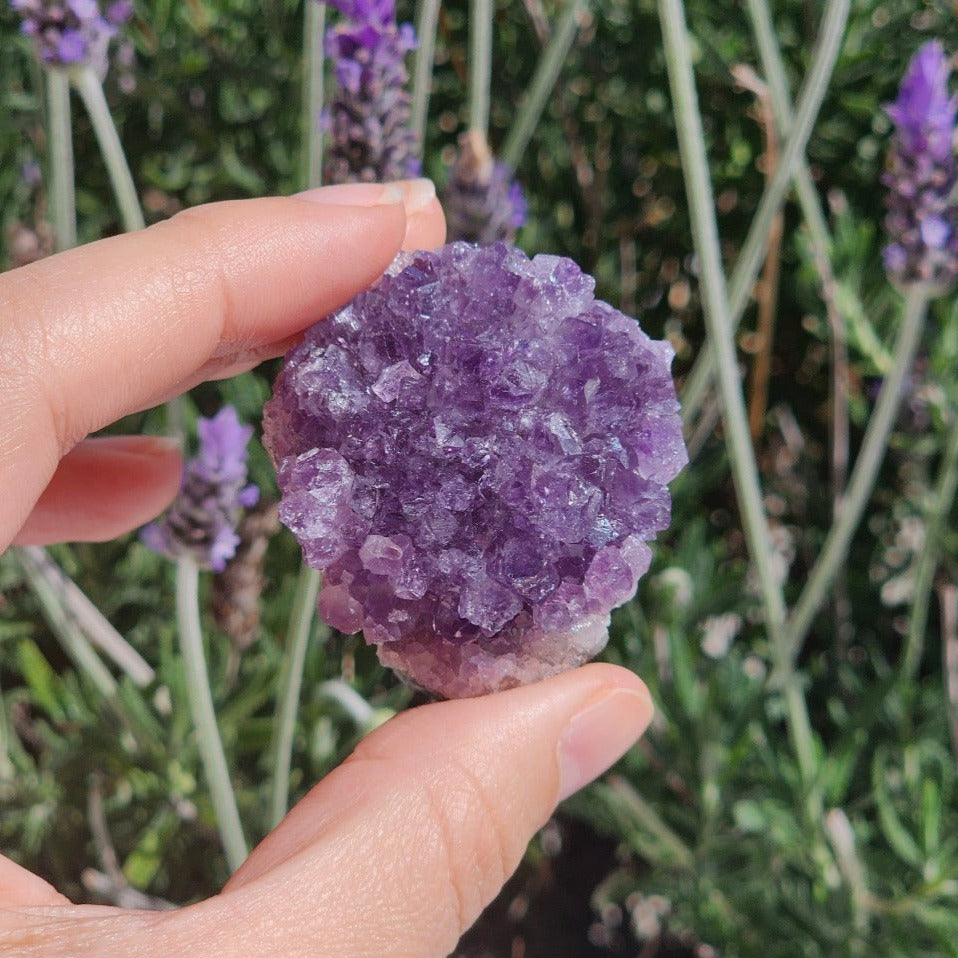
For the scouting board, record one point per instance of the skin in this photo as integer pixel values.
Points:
(396, 852)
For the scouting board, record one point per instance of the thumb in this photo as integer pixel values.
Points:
(398, 851)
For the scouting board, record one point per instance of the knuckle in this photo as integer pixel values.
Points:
(474, 842)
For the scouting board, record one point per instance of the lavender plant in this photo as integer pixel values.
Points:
(71, 33)
(202, 522)
(922, 220)
(483, 201)
(368, 117)
(200, 531)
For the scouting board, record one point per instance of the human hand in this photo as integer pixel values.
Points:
(397, 851)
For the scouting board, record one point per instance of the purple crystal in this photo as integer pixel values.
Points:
(922, 220)
(202, 520)
(72, 32)
(475, 452)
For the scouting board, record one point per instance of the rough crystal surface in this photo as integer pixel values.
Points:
(475, 452)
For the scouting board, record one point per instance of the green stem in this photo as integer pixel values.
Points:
(351, 702)
(204, 716)
(480, 64)
(290, 684)
(62, 192)
(774, 71)
(90, 89)
(835, 549)
(718, 321)
(314, 26)
(924, 576)
(720, 332)
(427, 20)
(543, 80)
(749, 261)
(673, 851)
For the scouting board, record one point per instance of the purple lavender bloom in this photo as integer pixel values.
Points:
(72, 32)
(368, 120)
(476, 452)
(483, 202)
(202, 520)
(922, 220)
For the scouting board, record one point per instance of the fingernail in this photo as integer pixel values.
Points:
(599, 735)
(354, 194)
(417, 194)
(133, 445)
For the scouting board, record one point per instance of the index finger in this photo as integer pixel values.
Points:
(96, 332)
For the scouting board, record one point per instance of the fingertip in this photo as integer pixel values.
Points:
(104, 487)
(426, 229)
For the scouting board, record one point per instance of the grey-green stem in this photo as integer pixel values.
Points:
(427, 20)
(60, 129)
(721, 333)
(290, 685)
(543, 80)
(204, 716)
(749, 261)
(860, 486)
(480, 63)
(314, 26)
(941, 503)
(88, 85)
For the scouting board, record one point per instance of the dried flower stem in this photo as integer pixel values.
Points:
(480, 63)
(204, 716)
(753, 249)
(863, 476)
(721, 334)
(948, 602)
(71, 637)
(86, 616)
(767, 293)
(91, 92)
(314, 28)
(59, 125)
(290, 684)
(543, 80)
(427, 20)
(944, 496)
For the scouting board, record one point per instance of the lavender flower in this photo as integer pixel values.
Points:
(922, 219)
(483, 202)
(476, 452)
(368, 120)
(72, 32)
(202, 521)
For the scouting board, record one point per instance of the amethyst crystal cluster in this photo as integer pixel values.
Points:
(922, 220)
(202, 521)
(72, 32)
(483, 202)
(370, 138)
(476, 452)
